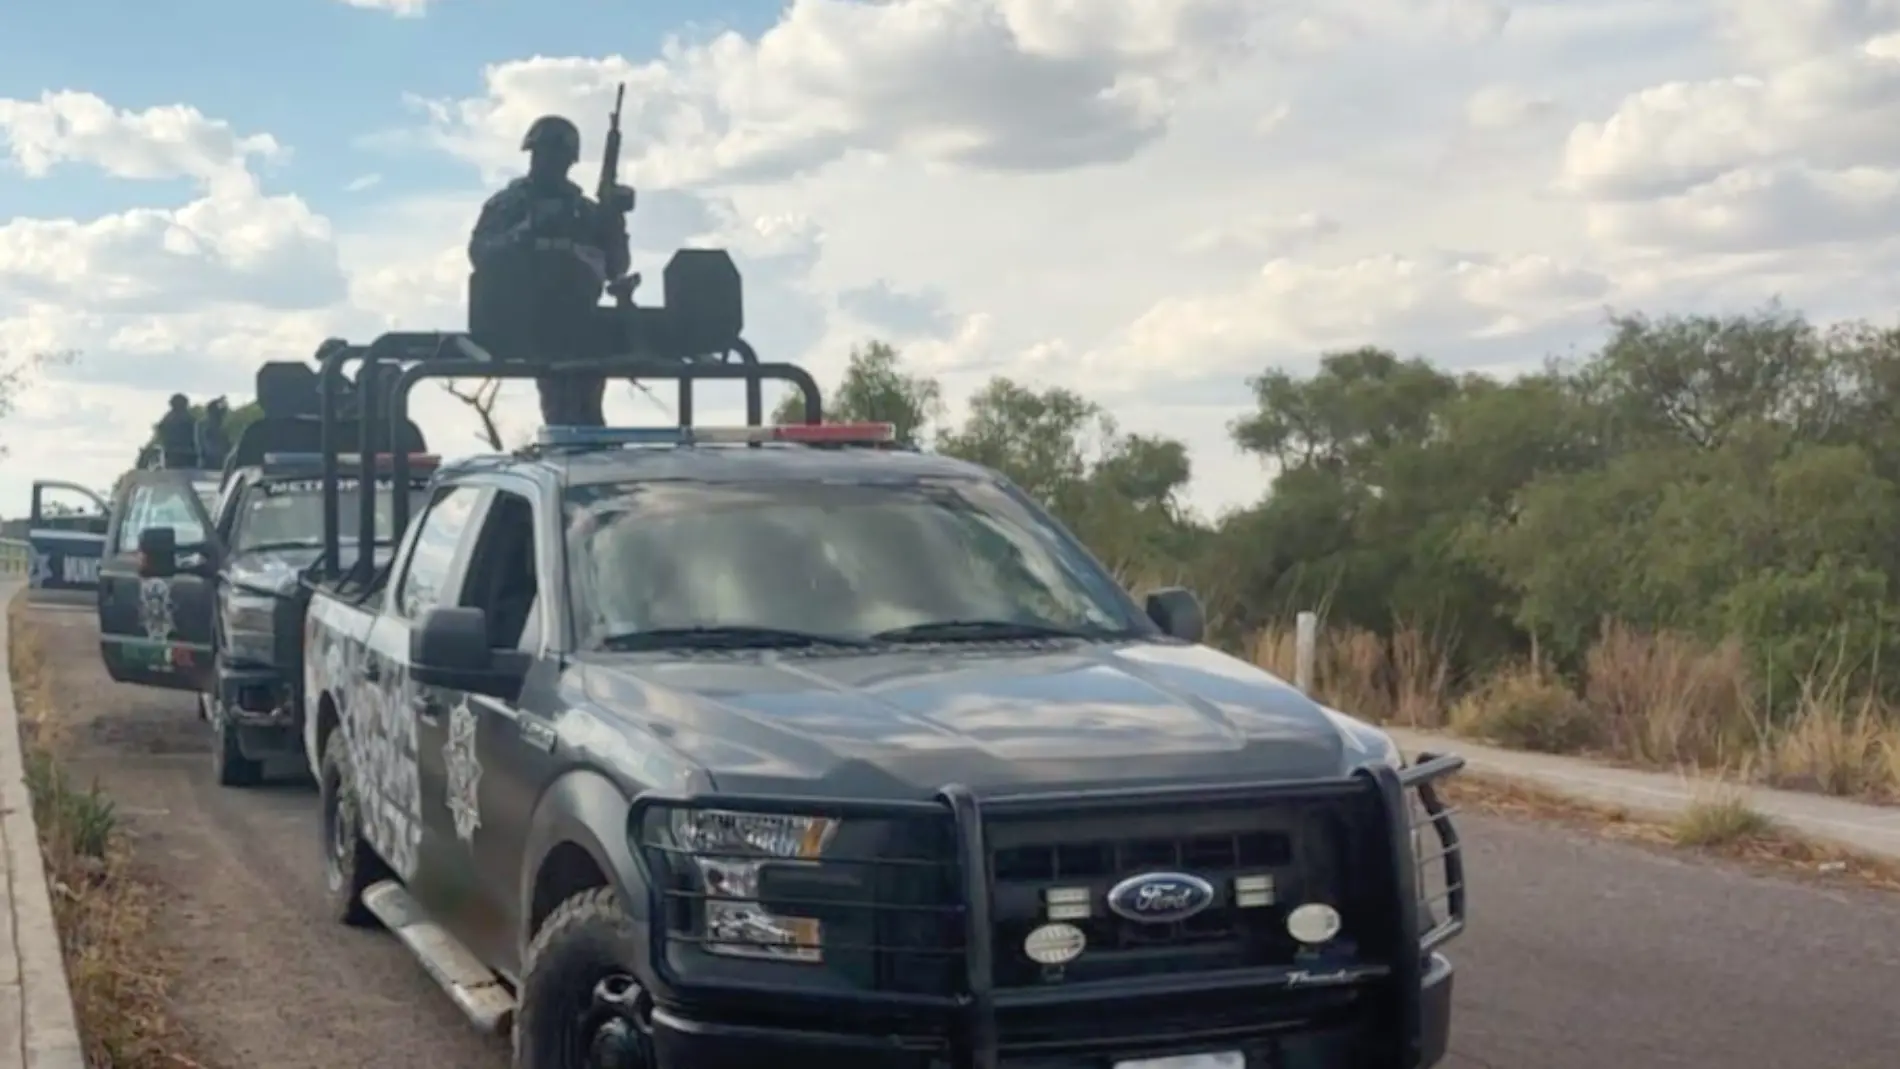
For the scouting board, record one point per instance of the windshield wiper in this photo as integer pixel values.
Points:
(722, 638)
(986, 631)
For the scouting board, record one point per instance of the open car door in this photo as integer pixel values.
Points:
(153, 629)
(67, 543)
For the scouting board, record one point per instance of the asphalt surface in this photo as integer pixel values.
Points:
(1583, 954)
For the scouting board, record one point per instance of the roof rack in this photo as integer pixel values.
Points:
(693, 337)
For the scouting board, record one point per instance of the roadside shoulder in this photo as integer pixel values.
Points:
(1867, 829)
(32, 967)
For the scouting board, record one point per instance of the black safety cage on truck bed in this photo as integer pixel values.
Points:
(923, 904)
(694, 337)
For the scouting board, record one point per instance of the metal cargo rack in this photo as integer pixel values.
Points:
(695, 337)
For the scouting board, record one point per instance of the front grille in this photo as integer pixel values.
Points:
(925, 908)
(1294, 846)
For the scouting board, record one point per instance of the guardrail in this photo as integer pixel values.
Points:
(16, 556)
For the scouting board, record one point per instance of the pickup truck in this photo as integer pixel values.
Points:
(204, 587)
(226, 602)
(701, 748)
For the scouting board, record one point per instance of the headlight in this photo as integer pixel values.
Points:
(249, 625)
(750, 843)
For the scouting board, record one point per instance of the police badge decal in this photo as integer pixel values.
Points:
(465, 771)
(156, 608)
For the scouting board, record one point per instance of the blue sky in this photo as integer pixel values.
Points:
(319, 75)
(1145, 201)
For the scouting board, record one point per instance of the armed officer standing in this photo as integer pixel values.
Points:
(178, 435)
(552, 251)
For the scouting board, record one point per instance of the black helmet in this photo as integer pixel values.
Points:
(553, 131)
(180, 401)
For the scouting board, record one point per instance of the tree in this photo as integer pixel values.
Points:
(480, 398)
(18, 370)
(876, 388)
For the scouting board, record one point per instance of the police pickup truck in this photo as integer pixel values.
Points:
(695, 748)
(234, 608)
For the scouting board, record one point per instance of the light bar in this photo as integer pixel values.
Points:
(385, 462)
(800, 433)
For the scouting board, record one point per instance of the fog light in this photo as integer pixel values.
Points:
(1313, 924)
(1055, 944)
(1068, 903)
(1252, 892)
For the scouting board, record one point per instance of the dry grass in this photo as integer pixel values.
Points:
(1720, 818)
(1655, 701)
(104, 911)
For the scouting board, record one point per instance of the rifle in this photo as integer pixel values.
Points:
(613, 196)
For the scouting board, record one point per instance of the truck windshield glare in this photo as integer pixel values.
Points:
(852, 561)
(291, 513)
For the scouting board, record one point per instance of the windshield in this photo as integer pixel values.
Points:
(820, 558)
(287, 514)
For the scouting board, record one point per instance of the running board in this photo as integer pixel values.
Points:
(475, 990)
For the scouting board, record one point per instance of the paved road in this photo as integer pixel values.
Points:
(1584, 954)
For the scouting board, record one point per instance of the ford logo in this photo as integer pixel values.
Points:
(1160, 897)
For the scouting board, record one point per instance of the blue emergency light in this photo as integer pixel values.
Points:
(795, 433)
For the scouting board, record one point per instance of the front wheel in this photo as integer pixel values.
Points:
(350, 866)
(233, 769)
(578, 996)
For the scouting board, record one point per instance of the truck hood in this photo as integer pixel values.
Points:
(275, 571)
(903, 723)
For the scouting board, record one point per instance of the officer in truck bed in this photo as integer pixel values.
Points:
(560, 249)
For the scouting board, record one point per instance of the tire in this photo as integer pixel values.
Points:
(227, 757)
(350, 866)
(588, 940)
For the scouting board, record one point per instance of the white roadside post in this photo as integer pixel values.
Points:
(1305, 650)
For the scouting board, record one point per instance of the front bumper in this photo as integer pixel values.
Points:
(684, 1042)
(262, 707)
(1380, 1009)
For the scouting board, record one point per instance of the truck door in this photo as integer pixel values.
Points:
(66, 543)
(155, 631)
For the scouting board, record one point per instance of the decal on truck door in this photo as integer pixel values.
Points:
(465, 771)
(378, 721)
(157, 611)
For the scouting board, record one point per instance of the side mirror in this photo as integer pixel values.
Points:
(1177, 612)
(158, 553)
(449, 649)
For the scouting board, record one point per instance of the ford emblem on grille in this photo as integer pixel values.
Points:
(1160, 897)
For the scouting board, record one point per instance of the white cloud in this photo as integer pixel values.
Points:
(172, 141)
(1266, 235)
(1003, 85)
(1773, 32)
(1758, 208)
(1146, 200)
(235, 246)
(1506, 107)
(1836, 109)
(1295, 308)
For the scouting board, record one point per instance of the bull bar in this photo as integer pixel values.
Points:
(967, 1017)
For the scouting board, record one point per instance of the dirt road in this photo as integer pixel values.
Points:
(269, 981)
(1583, 954)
